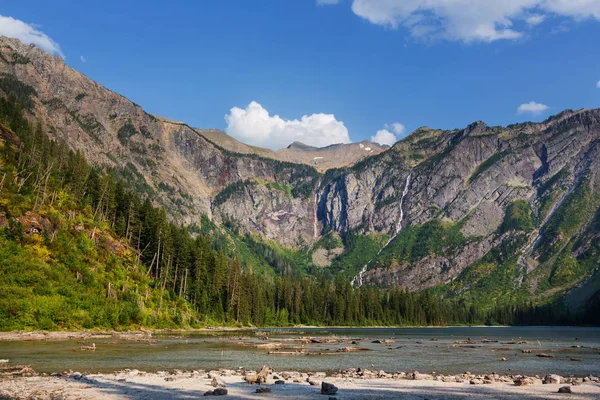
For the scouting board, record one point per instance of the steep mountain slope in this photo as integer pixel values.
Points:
(473, 204)
(483, 213)
(168, 160)
(323, 159)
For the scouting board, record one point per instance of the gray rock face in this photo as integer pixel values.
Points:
(467, 176)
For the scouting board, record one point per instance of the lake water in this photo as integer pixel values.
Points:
(424, 349)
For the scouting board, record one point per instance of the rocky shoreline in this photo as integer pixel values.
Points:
(353, 383)
(141, 334)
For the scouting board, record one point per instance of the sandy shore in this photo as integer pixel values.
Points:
(192, 385)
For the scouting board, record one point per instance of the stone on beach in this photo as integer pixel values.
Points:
(217, 382)
(526, 381)
(328, 388)
(565, 389)
(553, 379)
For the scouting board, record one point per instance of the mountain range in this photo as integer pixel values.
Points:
(487, 212)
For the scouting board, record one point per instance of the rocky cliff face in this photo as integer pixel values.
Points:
(526, 195)
(171, 162)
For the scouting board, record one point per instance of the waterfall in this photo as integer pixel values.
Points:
(404, 193)
(315, 210)
(358, 279)
(399, 222)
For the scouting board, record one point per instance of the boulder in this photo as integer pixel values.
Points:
(526, 381)
(565, 389)
(263, 389)
(312, 382)
(220, 391)
(218, 382)
(328, 388)
(417, 376)
(553, 379)
(76, 375)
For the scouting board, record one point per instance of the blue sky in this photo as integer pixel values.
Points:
(370, 63)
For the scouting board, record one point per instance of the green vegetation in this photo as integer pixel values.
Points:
(80, 96)
(89, 124)
(282, 187)
(230, 190)
(21, 92)
(484, 166)
(576, 210)
(16, 59)
(329, 241)
(518, 217)
(418, 241)
(126, 132)
(79, 250)
(548, 193)
(360, 250)
(81, 247)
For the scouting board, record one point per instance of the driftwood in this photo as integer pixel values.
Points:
(349, 349)
(544, 355)
(259, 378)
(16, 370)
(288, 353)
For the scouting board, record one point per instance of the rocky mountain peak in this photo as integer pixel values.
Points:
(476, 128)
(301, 146)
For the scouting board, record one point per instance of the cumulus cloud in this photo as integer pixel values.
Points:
(397, 127)
(389, 135)
(532, 107)
(254, 125)
(383, 137)
(472, 20)
(27, 33)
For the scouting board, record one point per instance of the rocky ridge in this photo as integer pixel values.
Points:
(468, 181)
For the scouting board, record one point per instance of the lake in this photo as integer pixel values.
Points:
(440, 350)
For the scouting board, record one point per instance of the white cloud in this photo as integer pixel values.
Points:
(472, 20)
(253, 125)
(82, 58)
(397, 127)
(532, 107)
(327, 2)
(598, 84)
(26, 33)
(389, 134)
(383, 136)
(535, 19)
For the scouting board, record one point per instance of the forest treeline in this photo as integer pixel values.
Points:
(100, 255)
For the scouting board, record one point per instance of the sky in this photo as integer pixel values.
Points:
(272, 72)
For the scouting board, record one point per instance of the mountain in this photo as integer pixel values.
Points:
(321, 158)
(491, 215)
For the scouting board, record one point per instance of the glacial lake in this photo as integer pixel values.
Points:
(575, 351)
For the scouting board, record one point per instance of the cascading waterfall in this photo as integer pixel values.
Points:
(315, 209)
(358, 279)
